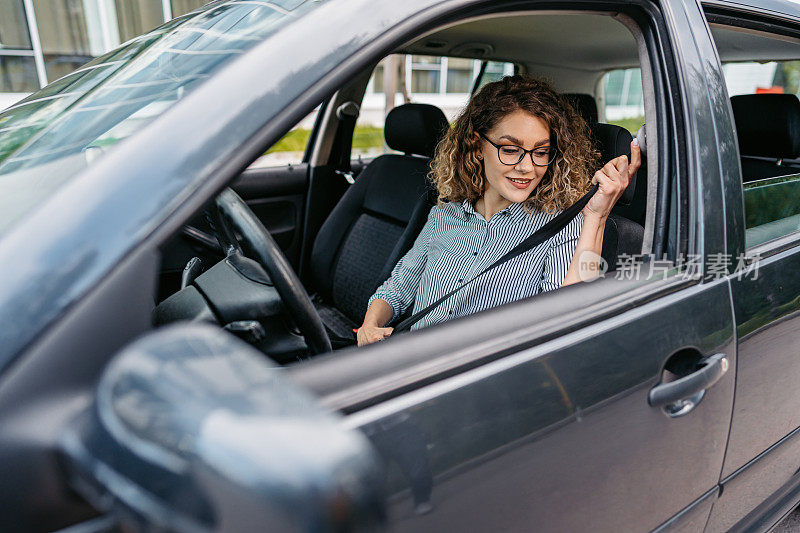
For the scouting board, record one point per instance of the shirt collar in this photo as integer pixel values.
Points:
(516, 210)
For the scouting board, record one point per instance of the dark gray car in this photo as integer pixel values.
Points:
(661, 397)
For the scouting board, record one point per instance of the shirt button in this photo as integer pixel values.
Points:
(450, 312)
(461, 281)
(475, 254)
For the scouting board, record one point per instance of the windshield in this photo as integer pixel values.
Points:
(56, 132)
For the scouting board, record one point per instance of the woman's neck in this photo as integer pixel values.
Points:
(489, 205)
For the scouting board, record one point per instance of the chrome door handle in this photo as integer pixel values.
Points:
(680, 396)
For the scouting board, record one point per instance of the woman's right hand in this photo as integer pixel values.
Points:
(369, 334)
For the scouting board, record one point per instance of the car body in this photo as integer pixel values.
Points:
(535, 415)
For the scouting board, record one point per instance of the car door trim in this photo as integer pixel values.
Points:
(354, 379)
(779, 504)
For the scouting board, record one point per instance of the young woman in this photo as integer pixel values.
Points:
(517, 155)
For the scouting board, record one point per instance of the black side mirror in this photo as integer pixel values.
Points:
(191, 429)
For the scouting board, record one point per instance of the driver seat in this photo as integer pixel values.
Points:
(377, 220)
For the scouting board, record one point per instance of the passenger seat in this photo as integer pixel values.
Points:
(768, 128)
(622, 236)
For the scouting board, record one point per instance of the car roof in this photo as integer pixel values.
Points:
(782, 8)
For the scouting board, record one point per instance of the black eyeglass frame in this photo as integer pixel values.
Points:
(553, 151)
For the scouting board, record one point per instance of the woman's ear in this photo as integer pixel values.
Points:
(476, 139)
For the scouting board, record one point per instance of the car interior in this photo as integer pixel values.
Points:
(340, 224)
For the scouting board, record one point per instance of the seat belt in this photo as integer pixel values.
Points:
(347, 115)
(539, 236)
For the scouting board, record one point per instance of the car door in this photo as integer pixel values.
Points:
(759, 477)
(545, 426)
(535, 414)
(540, 414)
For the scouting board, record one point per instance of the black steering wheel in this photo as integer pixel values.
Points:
(234, 216)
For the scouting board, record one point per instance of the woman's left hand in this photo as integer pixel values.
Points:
(613, 178)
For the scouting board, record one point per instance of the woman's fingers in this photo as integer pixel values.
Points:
(368, 335)
(613, 179)
(636, 158)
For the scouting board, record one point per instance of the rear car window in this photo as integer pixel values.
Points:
(762, 75)
(622, 103)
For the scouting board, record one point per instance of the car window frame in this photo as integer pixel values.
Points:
(365, 378)
(778, 24)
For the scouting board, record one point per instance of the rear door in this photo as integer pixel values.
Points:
(537, 415)
(760, 476)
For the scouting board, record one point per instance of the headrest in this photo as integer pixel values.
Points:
(614, 141)
(768, 125)
(584, 104)
(415, 128)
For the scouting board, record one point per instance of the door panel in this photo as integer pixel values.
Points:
(560, 437)
(757, 487)
(767, 406)
(277, 196)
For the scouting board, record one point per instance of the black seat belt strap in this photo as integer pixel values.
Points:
(539, 236)
(347, 115)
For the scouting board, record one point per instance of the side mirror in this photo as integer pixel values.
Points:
(192, 429)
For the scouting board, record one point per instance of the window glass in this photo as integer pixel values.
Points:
(420, 79)
(772, 187)
(368, 138)
(74, 121)
(70, 34)
(426, 72)
(135, 17)
(495, 70)
(622, 102)
(759, 63)
(771, 208)
(13, 25)
(290, 148)
(17, 74)
(181, 7)
(460, 74)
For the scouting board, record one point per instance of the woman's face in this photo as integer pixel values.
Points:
(514, 183)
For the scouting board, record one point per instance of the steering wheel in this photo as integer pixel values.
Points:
(234, 214)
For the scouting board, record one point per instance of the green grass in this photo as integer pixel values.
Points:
(366, 137)
(630, 124)
(296, 140)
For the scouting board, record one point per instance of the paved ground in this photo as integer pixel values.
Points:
(790, 524)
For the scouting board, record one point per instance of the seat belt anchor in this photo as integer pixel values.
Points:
(348, 176)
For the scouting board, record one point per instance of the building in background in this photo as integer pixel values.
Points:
(43, 40)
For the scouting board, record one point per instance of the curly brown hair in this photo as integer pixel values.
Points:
(458, 173)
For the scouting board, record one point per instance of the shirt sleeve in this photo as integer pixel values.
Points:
(559, 257)
(400, 288)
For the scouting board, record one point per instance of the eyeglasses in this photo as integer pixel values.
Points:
(511, 154)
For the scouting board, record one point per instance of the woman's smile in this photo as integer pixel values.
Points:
(520, 183)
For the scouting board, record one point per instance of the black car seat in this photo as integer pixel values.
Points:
(377, 219)
(585, 105)
(613, 141)
(622, 234)
(768, 128)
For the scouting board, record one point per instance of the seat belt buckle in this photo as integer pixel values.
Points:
(348, 176)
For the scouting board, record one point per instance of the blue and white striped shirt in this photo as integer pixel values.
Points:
(457, 243)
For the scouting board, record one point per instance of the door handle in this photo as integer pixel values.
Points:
(682, 395)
